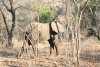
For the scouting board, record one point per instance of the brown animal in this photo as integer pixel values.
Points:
(47, 32)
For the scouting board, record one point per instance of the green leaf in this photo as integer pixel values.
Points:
(94, 4)
(90, 18)
(89, 2)
(88, 22)
(59, 1)
(44, 3)
(96, 0)
(46, 13)
(12, 1)
(37, 3)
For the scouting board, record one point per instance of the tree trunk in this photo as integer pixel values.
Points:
(12, 11)
(10, 44)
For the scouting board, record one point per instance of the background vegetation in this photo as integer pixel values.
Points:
(46, 13)
(83, 25)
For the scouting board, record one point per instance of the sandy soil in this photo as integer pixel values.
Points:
(89, 56)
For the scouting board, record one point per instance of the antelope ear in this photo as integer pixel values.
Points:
(54, 27)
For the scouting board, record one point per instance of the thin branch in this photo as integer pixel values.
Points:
(6, 6)
(75, 1)
(24, 33)
(90, 9)
(11, 4)
(83, 2)
(27, 8)
(19, 28)
(4, 21)
(17, 8)
(82, 13)
(11, 1)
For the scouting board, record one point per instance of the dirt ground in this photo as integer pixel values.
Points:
(89, 55)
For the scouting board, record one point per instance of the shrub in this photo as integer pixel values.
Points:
(46, 13)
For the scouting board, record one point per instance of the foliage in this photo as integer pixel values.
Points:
(46, 13)
(94, 5)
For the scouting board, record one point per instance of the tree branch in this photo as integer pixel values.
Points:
(82, 12)
(17, 8)
(75, 1)
(90, 9)
(28, 8)
(4, 21)
(11, 5)
(6, 6)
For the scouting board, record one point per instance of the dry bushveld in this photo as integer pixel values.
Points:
(82, 40)
(89, 55)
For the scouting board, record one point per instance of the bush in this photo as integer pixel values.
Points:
(46, 13)
(90, 32)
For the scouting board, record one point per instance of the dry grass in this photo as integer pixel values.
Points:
(89, 56)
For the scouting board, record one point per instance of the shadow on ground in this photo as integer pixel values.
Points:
(90, 56)
(14, 64)
(6, 54)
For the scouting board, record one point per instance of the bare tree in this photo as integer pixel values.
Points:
(12, 11)
(74, 24)
(77, 28)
